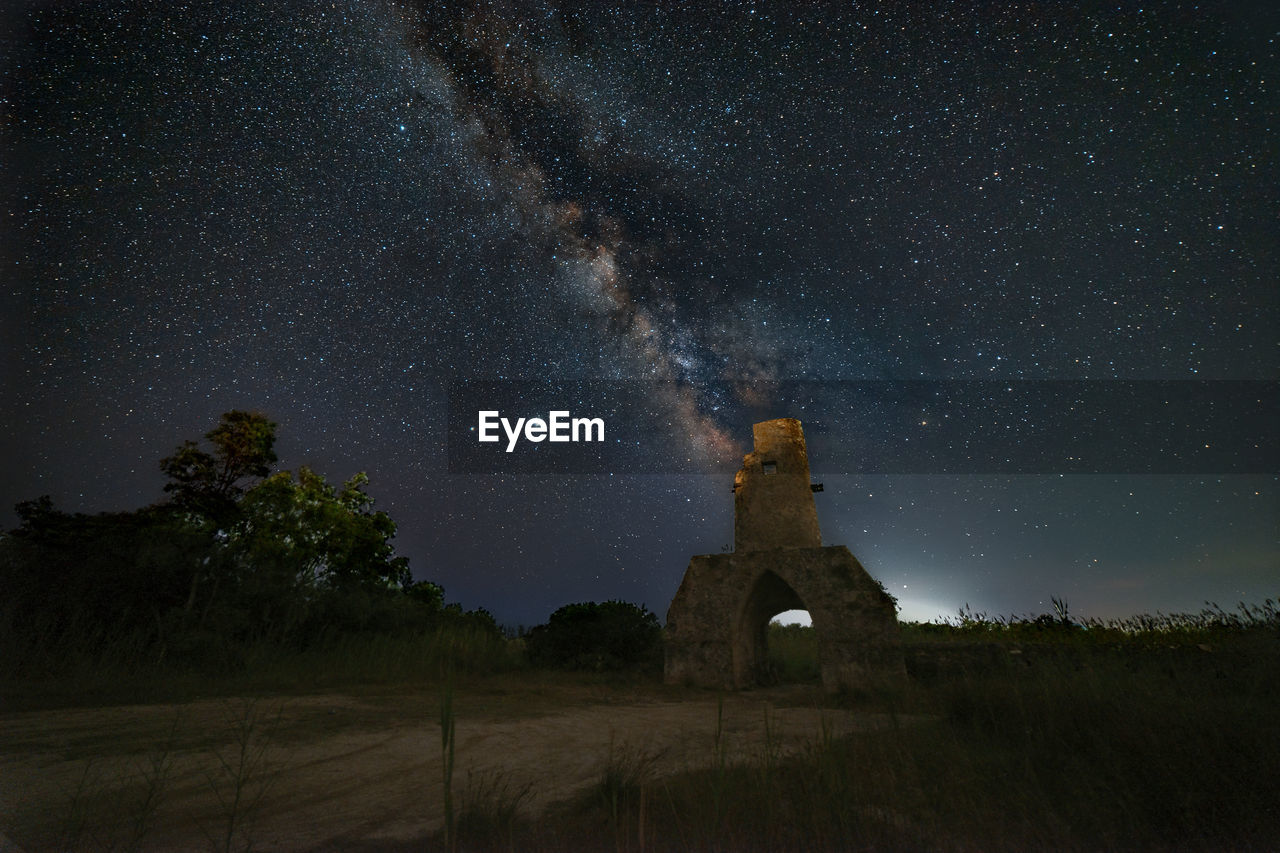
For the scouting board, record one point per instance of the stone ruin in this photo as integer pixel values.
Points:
(716, 632)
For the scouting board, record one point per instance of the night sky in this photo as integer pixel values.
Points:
(336, 212)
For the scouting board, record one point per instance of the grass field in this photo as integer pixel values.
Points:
(1157, 733)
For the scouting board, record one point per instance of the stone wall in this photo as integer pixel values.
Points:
(717, 623)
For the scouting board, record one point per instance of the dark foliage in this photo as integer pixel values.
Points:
(237, 557)
(614, 635)
(212, 483)
(72, 572)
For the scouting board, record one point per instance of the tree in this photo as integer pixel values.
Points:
(236, 555)
(211, 483)
(298, 541)
(427, 593)
(324, 536)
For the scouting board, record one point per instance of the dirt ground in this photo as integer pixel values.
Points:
(357, 772)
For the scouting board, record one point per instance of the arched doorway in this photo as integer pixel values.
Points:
(768, 596)
(793, 648)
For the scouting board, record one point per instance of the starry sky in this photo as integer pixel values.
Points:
(346, 214)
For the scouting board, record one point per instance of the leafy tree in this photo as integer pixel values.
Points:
(274, 542)
(427, 593)
(211, 483)
(299, 546)
(324, 536)
(205, 487)
(236, 555)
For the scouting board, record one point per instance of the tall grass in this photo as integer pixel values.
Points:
(94, 669)
(377, 658)
(490, 809)
(1045, 733)
(242, 774)
(1139, 745)
(1210, 620)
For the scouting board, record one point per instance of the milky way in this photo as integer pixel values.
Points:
(333, 212)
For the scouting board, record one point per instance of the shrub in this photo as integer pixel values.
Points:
(614, 635)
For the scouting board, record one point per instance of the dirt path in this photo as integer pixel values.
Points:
(333, 772)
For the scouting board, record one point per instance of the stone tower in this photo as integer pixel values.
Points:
(717, 626)
(772, 499)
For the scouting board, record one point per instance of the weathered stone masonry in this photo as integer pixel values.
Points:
(717, 623)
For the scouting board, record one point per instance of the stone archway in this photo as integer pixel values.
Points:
(715, 632)
(768, 596)
(715, 626)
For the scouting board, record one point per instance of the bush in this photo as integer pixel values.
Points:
(614, 635)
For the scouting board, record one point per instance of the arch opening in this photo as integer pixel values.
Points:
(792, 652)
(765, 653)
(793, 617)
